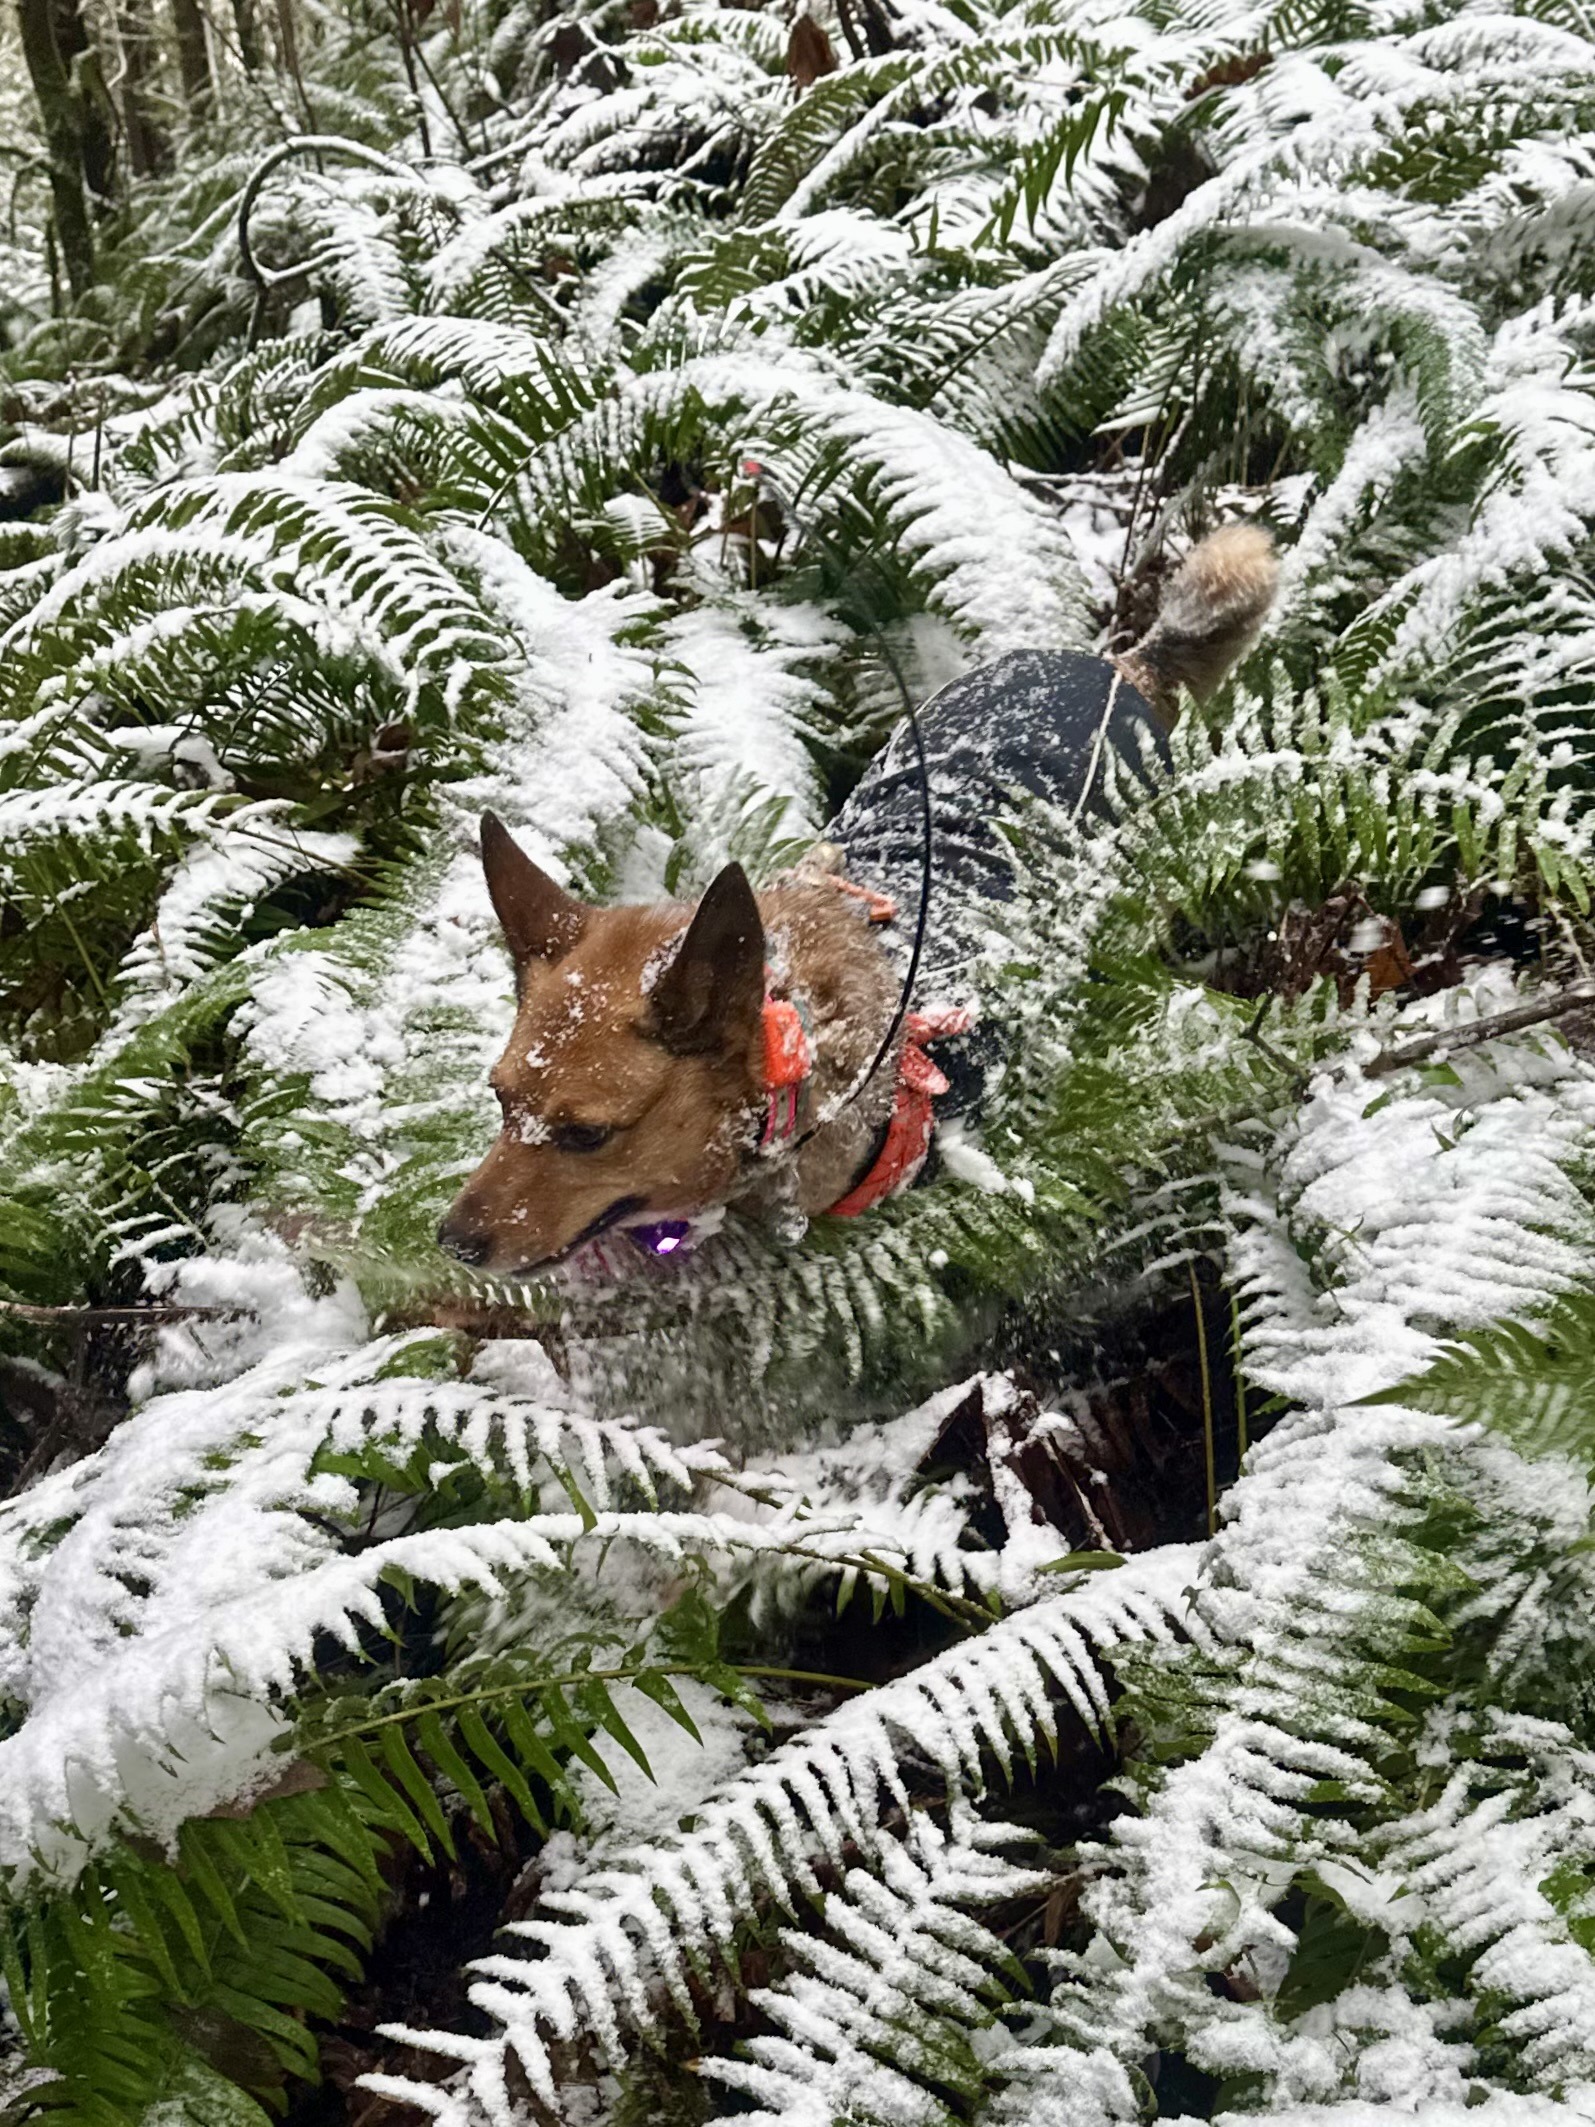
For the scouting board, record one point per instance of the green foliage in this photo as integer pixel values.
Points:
(1533, 1382)
(181, 1980)
(314, 1588)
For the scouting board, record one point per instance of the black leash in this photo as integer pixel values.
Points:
(926, 834)
(759, 475)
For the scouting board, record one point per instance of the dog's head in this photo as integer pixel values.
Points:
(632, 1076)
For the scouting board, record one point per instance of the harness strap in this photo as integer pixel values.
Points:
(878, 908)
(906, 1145)
(789, 1063)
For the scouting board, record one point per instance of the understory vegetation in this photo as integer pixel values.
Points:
(1110, 1635)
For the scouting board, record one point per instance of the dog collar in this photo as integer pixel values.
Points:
(789, 1064)
(789, 1037)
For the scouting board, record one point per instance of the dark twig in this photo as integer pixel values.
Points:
(1468, 1036)
(1281, 1062)
(1210, 1458)
(849, 28)
(25, 1311)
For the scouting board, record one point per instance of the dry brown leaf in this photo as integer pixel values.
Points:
(808, 52)
(302, 1777)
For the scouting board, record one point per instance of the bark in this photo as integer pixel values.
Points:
(808, 53)
(148, 150)
(288, 41)
(193, 57)
(86, 82)
(61, 117)
(247, 23)
(405, 20)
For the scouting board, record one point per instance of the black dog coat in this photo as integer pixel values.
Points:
(1037, 724)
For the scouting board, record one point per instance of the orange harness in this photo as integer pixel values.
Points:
(906, 1144)
(789, 1062)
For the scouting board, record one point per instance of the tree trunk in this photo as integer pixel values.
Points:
(148, 150)
(193, 56)
(61, 116)
(288, 42)
(405, 22)
(247, 24)
(86, 83)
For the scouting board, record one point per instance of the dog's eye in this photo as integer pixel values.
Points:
(580, 1137)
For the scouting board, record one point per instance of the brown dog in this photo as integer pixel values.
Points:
(633, 1071)
(666, 1062)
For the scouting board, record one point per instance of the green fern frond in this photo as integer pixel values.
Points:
(1533, 1381)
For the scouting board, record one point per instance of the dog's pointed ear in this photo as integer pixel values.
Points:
(540, 920)
(711, 994)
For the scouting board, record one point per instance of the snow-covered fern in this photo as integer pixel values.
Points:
(1105, 1637)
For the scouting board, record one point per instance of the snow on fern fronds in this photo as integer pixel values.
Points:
(1539, 418)
(1321, 1591)
(832, 256)
(345, 232)
(705, 92)
(1321, 265)
(135, 815)
(1015, 583)
(751, 678)
(1399, 802)
(1501, 1867)
(484, 357)
(504, 1437)
(218, 882)
(1532, 1380)
(643, 1917)
(1125, 274)
(446, 380)
(975, 352)
(875, 1473)
(570, 756)
(878, 2018)
(79, 1146)
(1478, 2108)
(366, 569)
(1493, 1217)
(1389, 445)
(163, 1598)
(365, 435)
(388, 1032)
(342, 564)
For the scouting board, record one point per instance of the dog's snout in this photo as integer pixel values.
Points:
(464, 1245)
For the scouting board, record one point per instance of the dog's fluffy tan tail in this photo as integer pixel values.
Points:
(1211, 613)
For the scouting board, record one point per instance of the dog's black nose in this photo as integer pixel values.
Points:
(464, 1247)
